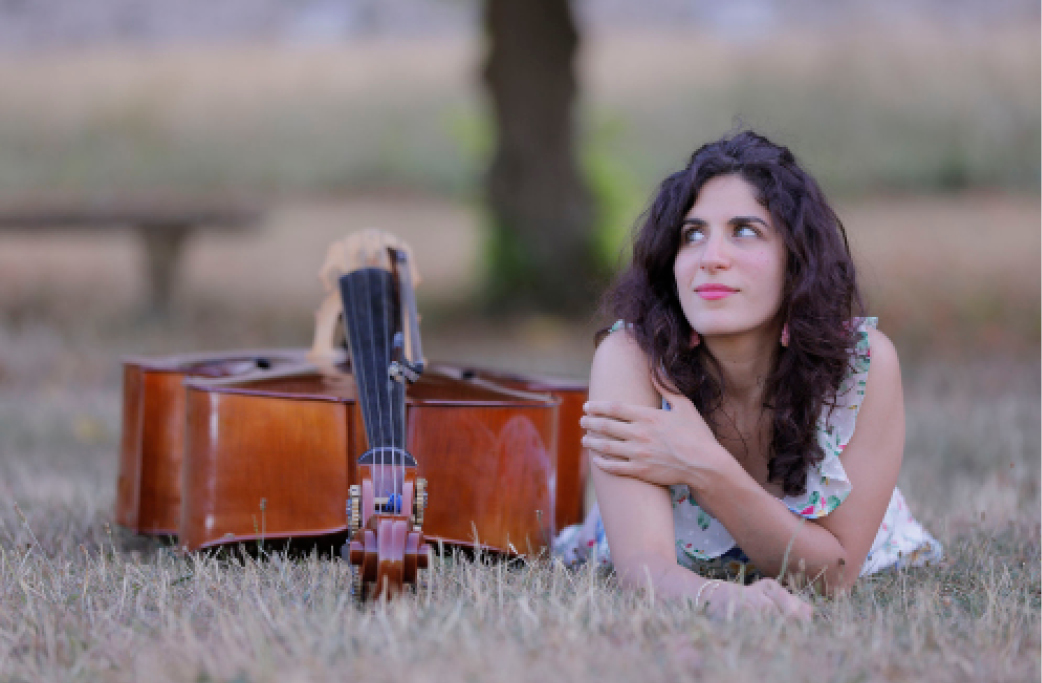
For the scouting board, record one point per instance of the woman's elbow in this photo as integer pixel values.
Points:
(837, 579)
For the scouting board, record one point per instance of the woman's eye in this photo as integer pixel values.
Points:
(694, 235)
(745, 231)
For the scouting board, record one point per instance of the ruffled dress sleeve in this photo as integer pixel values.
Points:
(827, 482)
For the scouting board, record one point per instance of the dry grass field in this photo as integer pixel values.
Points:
(81, 599)
(954, 278)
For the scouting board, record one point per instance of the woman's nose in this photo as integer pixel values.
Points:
(714, 255)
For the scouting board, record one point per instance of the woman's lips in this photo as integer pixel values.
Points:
(714, 292)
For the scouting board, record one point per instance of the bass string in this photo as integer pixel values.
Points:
(404, 384)
(362, 315)
(377, 397)
(389, 458)
(390, 482)
(400, 389)
(397, 384)
(376, 384)
(389, 382)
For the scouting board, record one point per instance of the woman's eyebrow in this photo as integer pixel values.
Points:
(738, 220)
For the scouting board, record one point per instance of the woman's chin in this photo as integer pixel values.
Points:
(728, 329)
(719, 326)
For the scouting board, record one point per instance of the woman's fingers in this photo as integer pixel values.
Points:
(788, 604)
(605, 426)
(619, 411)
(620, 468)
(612, 447)
(765, 597)
(674, 397)
(731, 600)
(759, 601)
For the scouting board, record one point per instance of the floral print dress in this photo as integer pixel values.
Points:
(705, 546)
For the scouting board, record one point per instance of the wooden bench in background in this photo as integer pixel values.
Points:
(163, 225)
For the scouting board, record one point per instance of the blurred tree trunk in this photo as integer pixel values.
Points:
(542, 213)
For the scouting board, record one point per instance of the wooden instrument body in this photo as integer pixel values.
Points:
(572, 464)
(293, 443)
(148, 491)
(271, 455)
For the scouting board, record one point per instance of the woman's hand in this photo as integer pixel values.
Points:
(663, 447)
(766, 596)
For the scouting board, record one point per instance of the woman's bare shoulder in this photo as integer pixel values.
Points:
(885, 366)
(621, 372)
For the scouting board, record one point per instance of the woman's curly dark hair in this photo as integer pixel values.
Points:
(819, 300)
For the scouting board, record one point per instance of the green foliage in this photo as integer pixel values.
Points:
(936, 110)
(616, 194)
(509, 266)
(473, 133)
(616, 203)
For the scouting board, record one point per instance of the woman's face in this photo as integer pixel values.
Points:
(730, 268)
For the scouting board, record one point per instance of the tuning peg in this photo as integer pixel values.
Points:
(420, 505)
(354, 509)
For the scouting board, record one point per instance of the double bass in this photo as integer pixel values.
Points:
(276, 448)
(148, 487)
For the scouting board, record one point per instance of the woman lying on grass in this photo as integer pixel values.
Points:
(741, 420)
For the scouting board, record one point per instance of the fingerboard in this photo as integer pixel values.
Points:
(372, 317)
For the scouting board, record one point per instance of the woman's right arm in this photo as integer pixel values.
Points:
(638, 516)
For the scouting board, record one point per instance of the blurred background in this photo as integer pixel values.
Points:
(171, 173)
(514, 144)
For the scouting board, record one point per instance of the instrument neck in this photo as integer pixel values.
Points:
(373, 321)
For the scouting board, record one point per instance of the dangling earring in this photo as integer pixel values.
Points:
(695, 340)
(785, 335)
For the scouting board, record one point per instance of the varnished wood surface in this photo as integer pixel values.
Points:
(149, 484)
(293, 442)
(261, 466)
(162, 435)
(439, 386)
(148, 491)
(221, 363)
(128, 482)
(216, 456)
(489, 471)
(571, 464)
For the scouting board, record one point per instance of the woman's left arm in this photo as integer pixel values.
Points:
(831, 548)
(676, 447)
